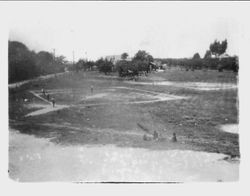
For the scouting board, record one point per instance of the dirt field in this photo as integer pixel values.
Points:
(120, 113)
(109, 163)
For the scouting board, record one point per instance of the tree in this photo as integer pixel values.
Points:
(196, 56)
(142, 61)
(223, 47)
(127, 69)
(99, 62)
(79, 65)
(45, 56)
(104, 66)
(124, 56)
(25, 64)
(61, 60)
(142, 55)
(89, 65)
(22, 64)
(218, 48)
(46, 63)
(208, 54)
(123, 68)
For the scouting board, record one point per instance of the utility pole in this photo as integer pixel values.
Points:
(54, 53)
(54, 58)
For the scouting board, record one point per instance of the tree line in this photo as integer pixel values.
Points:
(212, 59)
(142, 62)
(26, 64)
(138, 64)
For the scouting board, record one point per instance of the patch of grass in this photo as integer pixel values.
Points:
(198, 76)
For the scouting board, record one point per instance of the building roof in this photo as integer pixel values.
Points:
(116, 58)
(113, 57)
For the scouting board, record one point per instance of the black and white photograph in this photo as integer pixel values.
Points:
(123, 92)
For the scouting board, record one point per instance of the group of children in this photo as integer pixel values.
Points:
(53, 99)
(48, 97)
(156, 137)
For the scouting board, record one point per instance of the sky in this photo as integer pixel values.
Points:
(96, 29)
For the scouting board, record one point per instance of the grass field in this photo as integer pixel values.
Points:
(111, 114)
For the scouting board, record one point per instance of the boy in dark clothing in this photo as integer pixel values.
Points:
(174, 138)
(43, 92)
(156, 136)
(53, 102)
(92, 88)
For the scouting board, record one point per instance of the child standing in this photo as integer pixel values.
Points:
(53, 102)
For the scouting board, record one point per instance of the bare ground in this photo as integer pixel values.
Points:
(40, 160)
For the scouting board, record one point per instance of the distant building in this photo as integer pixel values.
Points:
(113, 58)
(116, 58)
(224, 56)
(158, 63)
(165, 66)
(94, 68)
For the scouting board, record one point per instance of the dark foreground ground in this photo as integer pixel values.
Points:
(104, 119)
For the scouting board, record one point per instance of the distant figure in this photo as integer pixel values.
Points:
(156, 136)
(92, 88)
(174, 139)
(48, 96)
(43, 92)
(53, 102)
(146, 138)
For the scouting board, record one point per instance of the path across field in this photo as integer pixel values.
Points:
(18, 84)
(153, 98)
(202, 86)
